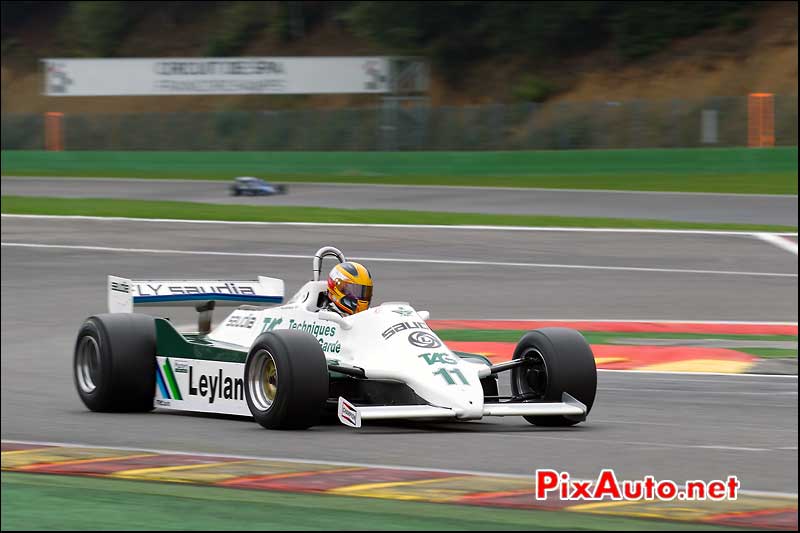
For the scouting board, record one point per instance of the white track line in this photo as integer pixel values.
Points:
(779, 241)
(698, 374)
(776, 494)
(393, 226)
(401, 260)
(644, 444)
(705, 392)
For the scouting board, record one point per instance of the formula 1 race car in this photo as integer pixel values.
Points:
(247, 185)
(287, 365)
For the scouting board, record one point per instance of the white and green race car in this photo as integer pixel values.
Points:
(287, 364)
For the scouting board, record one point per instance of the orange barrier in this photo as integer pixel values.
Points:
(760, 120)
(53, 131)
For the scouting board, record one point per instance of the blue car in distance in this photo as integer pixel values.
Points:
(247, 185)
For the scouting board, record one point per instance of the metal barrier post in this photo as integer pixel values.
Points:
(760, 120)
(53, 131)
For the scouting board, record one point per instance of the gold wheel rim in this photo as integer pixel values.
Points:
(270, 380)
(262, 380)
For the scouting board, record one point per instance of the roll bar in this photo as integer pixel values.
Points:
(326, 251)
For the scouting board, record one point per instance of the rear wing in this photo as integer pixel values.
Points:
(125, 294)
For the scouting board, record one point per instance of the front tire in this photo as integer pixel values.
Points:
(286, 380)
(114, 365)
(560, 361)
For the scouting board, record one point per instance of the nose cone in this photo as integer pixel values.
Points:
(470, 402)
(455, 386)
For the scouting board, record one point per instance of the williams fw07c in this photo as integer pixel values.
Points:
(289, 364)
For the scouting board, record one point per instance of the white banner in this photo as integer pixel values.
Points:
(229, 75)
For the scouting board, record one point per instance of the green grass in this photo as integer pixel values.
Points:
(770, 353)
(49, 502)
(199, 211)
(733, 170)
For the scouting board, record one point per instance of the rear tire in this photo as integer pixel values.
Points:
(561, 361)
(114, 365)
(286, 380)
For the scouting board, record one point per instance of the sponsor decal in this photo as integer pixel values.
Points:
(402, 311)
(320, 331)
(330, 347)
(348, 415)
(423, 339)
(216, 386)
(159, 289)
(270, 323)
(241, 321)
(389, 332)
(313, 327)
(120, 286)
(166, 383)
(438, 357)
(201, 386)
(170, 291)
(444, 358)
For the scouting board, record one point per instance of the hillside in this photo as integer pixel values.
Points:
(759, 55)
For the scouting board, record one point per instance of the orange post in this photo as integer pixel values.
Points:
(53, 131)
(760, 120)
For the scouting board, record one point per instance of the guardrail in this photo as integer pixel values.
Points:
(413, 125)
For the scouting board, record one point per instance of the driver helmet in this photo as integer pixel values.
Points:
(350, 287)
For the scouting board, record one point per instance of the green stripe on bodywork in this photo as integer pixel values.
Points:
(170, 343)
(474, 356)
(173, 384)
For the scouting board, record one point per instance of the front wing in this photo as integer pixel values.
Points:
(352, 416)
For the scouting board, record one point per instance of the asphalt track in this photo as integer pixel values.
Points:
(676, 427)
(731, 208)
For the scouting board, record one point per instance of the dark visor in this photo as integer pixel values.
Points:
(357, 291)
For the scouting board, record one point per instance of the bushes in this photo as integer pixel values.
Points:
(15, 13)
(96, 28)
(532, 88)
(452, 33)
(644, 28)
(239, 23)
